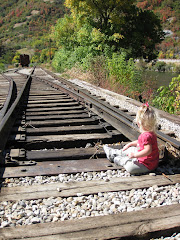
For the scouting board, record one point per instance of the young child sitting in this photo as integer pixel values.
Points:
(142, 155)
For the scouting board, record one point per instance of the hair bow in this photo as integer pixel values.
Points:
(146, 104)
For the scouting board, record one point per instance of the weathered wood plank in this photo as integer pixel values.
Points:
(52, 105)
(59, 122)
(68, 137)
(40, 93)
(44, 97)
(78, 153)
(57, 117)
(66, 108)
(55, 112)
(56, 100)
(57, 167)
(58, 130)
(148, 222)
(85, 187)
(62, 130)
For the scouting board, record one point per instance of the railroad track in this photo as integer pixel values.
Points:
(11, 84)
(4, 90)
(56, 128)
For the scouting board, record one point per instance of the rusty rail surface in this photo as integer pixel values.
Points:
(59, 128)
(10, 96)
(116, 117)
(10, 112)
(111, 115)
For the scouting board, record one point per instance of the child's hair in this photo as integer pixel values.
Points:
(146, 118)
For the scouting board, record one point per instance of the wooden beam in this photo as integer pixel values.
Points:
(140, 224)
(57, 167)
(85, 187)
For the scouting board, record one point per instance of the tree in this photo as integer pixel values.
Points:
(142, 31)
(168, 97)
(16, 58)
(101, 14)
(64, 31)
(1, 49)
(122, 23)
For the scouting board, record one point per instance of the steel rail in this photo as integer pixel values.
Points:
(10, 117)
(72, 189)
(10, 97)
(117, 118)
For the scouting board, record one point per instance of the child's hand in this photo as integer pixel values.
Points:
(131, 155)
(125, 147)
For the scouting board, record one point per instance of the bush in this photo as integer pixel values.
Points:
(2, 67)
(16, 58)
(60, 59)
(99, 70)
(77, 56)
(87, 62)
(66, 59)
(43, 56)
(125, 74)
(160, 67)
(177, 68)
(35, 58)
(168, 98)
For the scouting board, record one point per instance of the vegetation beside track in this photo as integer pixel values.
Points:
(99, 48)
(96, 47)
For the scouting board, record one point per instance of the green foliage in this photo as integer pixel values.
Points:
(39, 44)
(160, 66)
(16, 58)
(7, 54)
(66, 59)
(102, 14)
(168, 98)
(168, 12)
(43, 56)
(98, 68)
(2, 67)
(118, 24)
(64, 32)
(77, 55)
(87, 62)
(35, 58)
(125, 74)
(22, 23)
(60, 59)
(97, 23)
(70, 33)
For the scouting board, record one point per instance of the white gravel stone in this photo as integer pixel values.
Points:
(35, 220)
(26, 212)
(4, 224)
(61, 209)
(122, 101)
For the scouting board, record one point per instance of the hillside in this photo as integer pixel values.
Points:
(21, 21)
(26, 24)
(169, 13)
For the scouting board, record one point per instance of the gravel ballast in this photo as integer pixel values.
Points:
(54, 209)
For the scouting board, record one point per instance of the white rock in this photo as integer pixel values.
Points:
(4, 224)
(79, 194)
(55, 219)
(35, 220)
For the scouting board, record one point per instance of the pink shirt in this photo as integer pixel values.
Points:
(151, 161)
